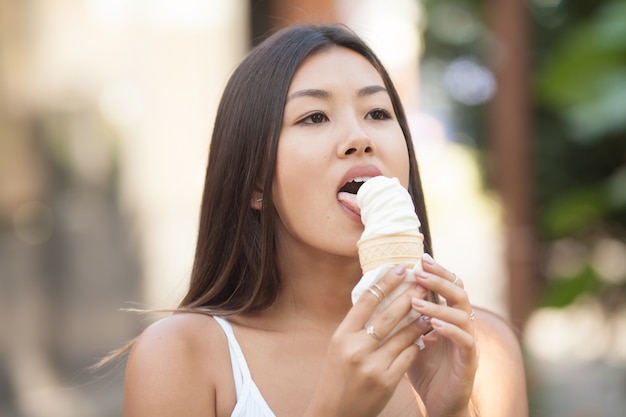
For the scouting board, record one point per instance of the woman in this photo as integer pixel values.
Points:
(267, 326)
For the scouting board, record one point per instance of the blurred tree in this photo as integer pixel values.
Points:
(477, 54)
(580, 90)
(579, 129)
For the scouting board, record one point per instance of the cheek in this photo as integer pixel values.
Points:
(293, 179)
(299, 160)
(289, 169)
(300, 188)
(400, 161)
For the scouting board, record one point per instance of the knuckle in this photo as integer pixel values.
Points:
(415, 291)
(386, 318)
(464, 297)
(391, 280)
(374, 378)
(353, 356)
(368, 299)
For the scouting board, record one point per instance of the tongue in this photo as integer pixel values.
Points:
(349, 200)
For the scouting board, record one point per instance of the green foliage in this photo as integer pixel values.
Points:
(584, 78)
(579, 118)
(562, 292)
(584, 207)
(574, 211)
(580, 92)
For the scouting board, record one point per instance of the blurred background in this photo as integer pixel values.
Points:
(518, 112)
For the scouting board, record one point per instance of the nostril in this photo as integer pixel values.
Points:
(368, 149)
(350, 151)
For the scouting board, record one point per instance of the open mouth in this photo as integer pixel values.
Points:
(352, 186)
(347, 194)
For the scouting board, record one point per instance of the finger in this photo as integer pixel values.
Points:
(404, 360)
(455, 296)
(430, 265)
(461, 338)
(404, 345)
(460, 318)
(457, 281)
(370, 300)
(393, 315)
(410, 334)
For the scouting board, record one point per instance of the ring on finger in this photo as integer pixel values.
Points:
(378, 293)
(472, 315)
(456, 279)
(380, 290)
(371, 332)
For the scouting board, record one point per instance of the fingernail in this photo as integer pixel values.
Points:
(436, 323)
(418, 302)
(400, 269)
(422, 274)
(425, 319)
(429, 259)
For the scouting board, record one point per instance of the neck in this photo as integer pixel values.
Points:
(315, 287)
(323, 289)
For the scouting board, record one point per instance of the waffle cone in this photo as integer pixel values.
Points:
(390, 249)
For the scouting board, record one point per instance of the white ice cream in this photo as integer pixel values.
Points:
(386, 208)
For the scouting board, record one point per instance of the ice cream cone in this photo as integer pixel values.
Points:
(391, 236)
(397, 248)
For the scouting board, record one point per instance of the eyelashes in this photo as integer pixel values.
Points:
(319, 117)
(378, 114)
(314, 118)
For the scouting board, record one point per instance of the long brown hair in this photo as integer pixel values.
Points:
(235, 267)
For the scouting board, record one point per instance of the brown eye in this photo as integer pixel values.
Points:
(314, 118)
(317, 118)
(378, 114)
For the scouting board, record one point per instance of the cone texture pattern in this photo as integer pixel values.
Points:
(390, 249)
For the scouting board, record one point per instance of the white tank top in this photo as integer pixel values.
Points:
(250, 402)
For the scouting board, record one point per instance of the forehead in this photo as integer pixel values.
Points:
(335, 67)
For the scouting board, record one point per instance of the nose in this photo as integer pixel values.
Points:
(355, 141)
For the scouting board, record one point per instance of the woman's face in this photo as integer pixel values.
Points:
(339, 125)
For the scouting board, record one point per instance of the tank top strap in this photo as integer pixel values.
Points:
(241, 372)
(250, 401)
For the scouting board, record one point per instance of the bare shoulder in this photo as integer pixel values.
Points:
(500, 384)
(494, 331)
(174, 368)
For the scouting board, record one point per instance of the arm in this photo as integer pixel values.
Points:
(500, 384)
(171, 369)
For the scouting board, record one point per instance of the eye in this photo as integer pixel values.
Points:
(314, 118)
(378, 114)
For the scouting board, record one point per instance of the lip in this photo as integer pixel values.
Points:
(355, 172)
(359, 171)
(355, 217)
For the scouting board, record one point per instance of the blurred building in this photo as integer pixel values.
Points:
(106, 109)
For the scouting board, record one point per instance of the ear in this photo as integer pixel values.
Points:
(257, 200)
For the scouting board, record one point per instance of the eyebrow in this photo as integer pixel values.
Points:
(371, 90)
(315, 93)
(323, 94)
